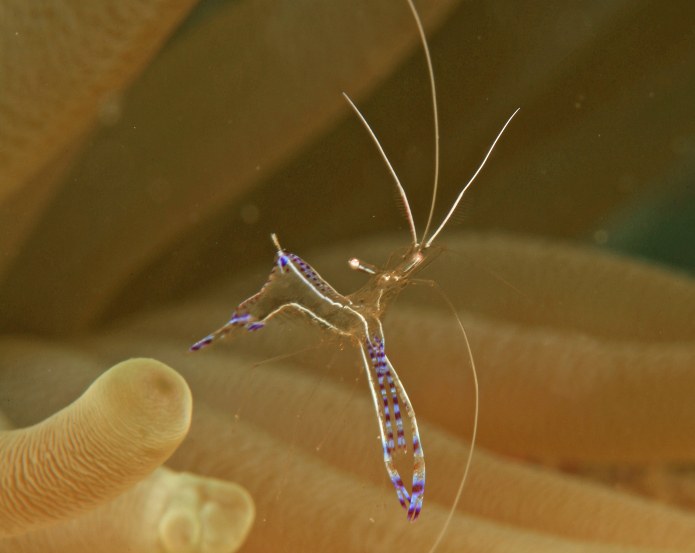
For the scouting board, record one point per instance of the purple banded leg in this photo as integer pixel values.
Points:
(238, 319)
(418, 489)
(400, 443)
(381, 370)
(396, 480)
(396, 406)
(387, 413)
(378, 358)
(200, 344)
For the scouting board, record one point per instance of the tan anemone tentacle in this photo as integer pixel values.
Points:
(603, 343)
(63, 65)
(124, 426)
(530, 495)
(59, 62)
(301, 512)
(168, 512)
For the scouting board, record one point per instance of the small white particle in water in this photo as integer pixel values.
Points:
(601, 236)
(579, 101)
(110, 110)
(249, 213)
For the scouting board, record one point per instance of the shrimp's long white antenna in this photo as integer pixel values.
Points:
(435, 114)
(401, 190)
(463, 190)
(474, 434)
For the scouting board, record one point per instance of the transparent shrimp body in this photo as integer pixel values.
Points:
(294, 286)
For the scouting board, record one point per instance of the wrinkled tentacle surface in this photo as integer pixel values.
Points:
(98, 460)
(124, 426)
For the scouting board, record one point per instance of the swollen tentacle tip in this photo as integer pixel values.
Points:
(205, 515)
(124, 426)
(146, 394)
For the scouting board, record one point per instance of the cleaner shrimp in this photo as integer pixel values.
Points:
(295, 286)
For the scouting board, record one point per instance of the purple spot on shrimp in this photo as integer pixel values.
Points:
(239, 319)
(201, 344)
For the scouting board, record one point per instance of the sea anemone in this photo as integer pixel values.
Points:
(147, 152)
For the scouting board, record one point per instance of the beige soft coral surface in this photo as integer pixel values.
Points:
(147, 152)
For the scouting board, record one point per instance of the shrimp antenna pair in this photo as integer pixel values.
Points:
(425, 241)
(294, 286)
